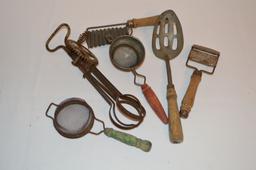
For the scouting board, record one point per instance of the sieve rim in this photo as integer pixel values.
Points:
(131, 42)
(63, 105)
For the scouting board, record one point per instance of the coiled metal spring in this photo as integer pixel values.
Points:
(102, 35)
(80, 53)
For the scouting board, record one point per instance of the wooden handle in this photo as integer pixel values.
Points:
(128, 139)
(189, 98)
(154, 102)
(141, 22)
(175, 128)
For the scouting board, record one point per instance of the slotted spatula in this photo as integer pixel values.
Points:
(167, 43)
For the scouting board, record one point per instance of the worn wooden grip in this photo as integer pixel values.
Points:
(175, 128)
(128, 139)
(189, 98)
(141, 22)
(154, 102)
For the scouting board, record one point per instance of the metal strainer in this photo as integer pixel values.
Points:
(74, 118)
(127, 53)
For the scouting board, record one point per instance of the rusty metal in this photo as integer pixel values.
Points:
(102, 35)
(86, 61)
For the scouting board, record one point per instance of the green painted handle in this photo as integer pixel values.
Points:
(128, 139)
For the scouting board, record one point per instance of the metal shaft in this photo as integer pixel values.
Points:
(169, 72)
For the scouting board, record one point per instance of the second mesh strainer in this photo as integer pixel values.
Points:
(74, 118)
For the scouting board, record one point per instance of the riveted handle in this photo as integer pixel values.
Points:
(141, 22)
(128, 139)
(189, 98)
(154, 102)
(175, 128)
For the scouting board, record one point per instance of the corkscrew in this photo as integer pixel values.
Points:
(86, 61)
(102, 35)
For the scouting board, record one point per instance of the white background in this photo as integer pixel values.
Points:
(219, 134)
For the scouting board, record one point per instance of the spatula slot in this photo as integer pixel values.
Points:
(158, 30)
(174, 43)
(157, 43)
(174, 29)
(166, 41)
(166, 28)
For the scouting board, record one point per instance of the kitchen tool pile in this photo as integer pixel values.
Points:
(74, 118)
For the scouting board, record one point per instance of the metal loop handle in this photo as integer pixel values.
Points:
(132, 101)
(135, 103)
(112, 113)
(47, 110)
(64, 25)
(137, 75)
(103, 125)
(116, 121)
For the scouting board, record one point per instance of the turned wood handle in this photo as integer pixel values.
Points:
(141, 22)
(128, 139)
(189, 98)
(175, 128)
(154, 102)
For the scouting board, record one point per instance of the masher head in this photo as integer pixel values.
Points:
(167, 40)
(203, 56)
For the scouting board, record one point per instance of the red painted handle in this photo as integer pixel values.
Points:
(154, 102)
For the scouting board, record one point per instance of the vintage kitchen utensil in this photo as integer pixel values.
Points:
(127, 53)
(74, 118)
(87, 62)
(101, 35)
(167, 43)
(204, 57)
